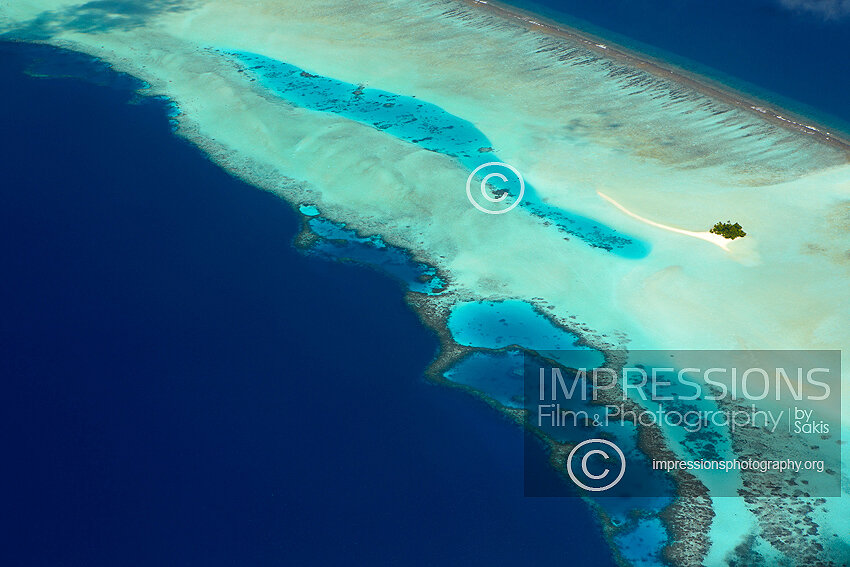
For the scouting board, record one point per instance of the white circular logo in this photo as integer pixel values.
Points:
(589, 474)
(487, 195)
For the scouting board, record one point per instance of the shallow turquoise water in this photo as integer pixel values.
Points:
(428, 126)
(498, 324)
(642, 545)
(309, 210)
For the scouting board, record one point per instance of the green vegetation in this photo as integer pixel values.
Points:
(728, 230)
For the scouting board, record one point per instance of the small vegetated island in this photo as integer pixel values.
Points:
(728, 230)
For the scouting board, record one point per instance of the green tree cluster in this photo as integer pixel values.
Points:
(728, 230)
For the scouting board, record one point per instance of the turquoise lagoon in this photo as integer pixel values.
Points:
(428, 126)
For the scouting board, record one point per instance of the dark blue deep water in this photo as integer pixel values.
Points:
(775, 49)
(181, 387)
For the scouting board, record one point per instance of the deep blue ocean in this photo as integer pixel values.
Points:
(791, 56)
(182, 387)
